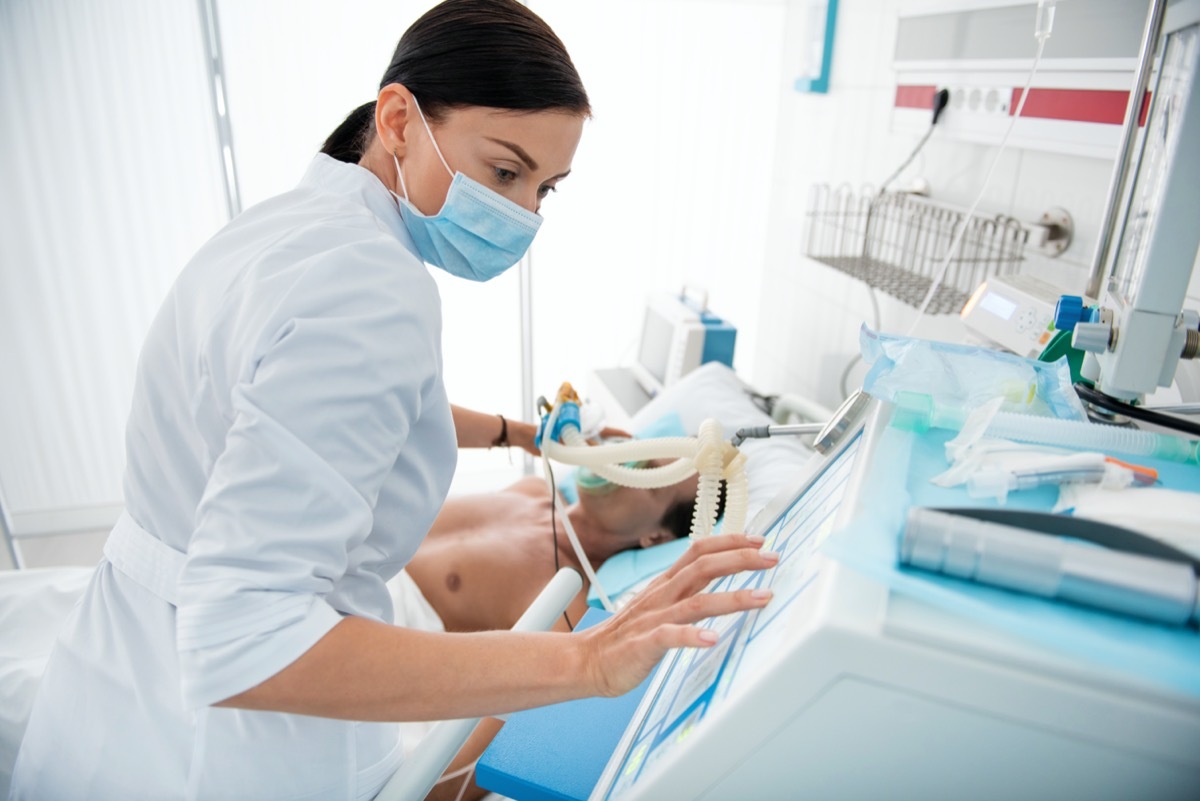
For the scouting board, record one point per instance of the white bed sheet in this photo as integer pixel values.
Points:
(33, 605)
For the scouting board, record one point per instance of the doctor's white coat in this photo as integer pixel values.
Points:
(289, 445)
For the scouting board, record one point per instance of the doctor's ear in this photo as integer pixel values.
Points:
(394, 109)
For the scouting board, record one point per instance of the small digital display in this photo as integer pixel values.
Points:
(998, 305)
(655, 349)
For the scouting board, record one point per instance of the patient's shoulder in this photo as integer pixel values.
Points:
(532, 486)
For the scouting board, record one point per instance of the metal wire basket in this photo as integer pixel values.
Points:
(897, 242)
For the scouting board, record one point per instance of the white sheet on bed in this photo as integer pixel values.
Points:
(715, 391)
(33, 606)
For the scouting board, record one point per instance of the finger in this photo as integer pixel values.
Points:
(710, 545)
(668, 636)
(714, 604)
(694, 577)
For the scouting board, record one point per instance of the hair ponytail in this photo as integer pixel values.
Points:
(350, 139)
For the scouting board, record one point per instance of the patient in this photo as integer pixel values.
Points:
(488, 556)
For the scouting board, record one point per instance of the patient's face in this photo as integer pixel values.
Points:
(636, 515)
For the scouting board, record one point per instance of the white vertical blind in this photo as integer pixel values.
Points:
(109, 181)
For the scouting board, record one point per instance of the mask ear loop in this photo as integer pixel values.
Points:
(400, 175)
(436, 149)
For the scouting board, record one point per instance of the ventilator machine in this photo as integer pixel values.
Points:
(868, 678)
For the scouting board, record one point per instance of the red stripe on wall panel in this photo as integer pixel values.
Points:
(915, 96)
(1077, 105)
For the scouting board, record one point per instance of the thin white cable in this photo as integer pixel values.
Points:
(987, 180)
(858, 356)
(572, 537)
(454, 775)
(466, 783)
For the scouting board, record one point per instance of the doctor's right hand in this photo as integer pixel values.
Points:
(623, 650)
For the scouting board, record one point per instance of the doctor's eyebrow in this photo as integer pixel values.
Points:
(515, 148)
(523, 156)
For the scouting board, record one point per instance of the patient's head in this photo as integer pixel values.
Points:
(638, 518)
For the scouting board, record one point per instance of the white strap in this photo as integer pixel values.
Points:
(144, 558)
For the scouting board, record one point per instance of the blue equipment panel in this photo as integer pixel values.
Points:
(557, 753)
(720, 338)
(699, 679)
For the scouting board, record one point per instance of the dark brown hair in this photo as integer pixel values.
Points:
(678, 519)
(493, 53)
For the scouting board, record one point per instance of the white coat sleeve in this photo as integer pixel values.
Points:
(318, 421)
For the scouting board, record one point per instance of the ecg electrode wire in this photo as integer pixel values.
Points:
(584, 563)
(554, 532)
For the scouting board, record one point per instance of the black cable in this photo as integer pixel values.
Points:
(1098, 398)
(554, 531)
(941, 99)
(764, 403)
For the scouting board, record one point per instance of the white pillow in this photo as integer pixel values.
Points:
(715, 391)
(712, 391)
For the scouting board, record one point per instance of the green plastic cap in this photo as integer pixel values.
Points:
(914, 411)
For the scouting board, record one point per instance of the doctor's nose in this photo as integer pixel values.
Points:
(530, 202)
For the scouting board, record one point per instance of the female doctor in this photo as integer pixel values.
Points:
(290, 443)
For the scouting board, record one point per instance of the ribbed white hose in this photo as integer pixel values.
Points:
(605, 460)
(630, 451)
(710, 463)
(706, 454)
(737, 494)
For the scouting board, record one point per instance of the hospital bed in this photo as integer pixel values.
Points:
(34, 603)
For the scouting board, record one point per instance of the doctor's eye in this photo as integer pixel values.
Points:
(504, 176)
(545, 190)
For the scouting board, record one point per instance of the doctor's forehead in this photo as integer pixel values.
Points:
(547, 137)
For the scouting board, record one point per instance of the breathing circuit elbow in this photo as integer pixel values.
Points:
(566, 413)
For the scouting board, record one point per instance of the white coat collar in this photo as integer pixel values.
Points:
(327, 174)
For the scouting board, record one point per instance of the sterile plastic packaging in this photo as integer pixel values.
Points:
(964, 376)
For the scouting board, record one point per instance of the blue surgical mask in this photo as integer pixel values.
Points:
(477, 235)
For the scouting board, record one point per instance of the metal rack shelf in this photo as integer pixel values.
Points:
(896, 243)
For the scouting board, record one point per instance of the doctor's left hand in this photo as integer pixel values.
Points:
(623, 650)
(522, 435)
